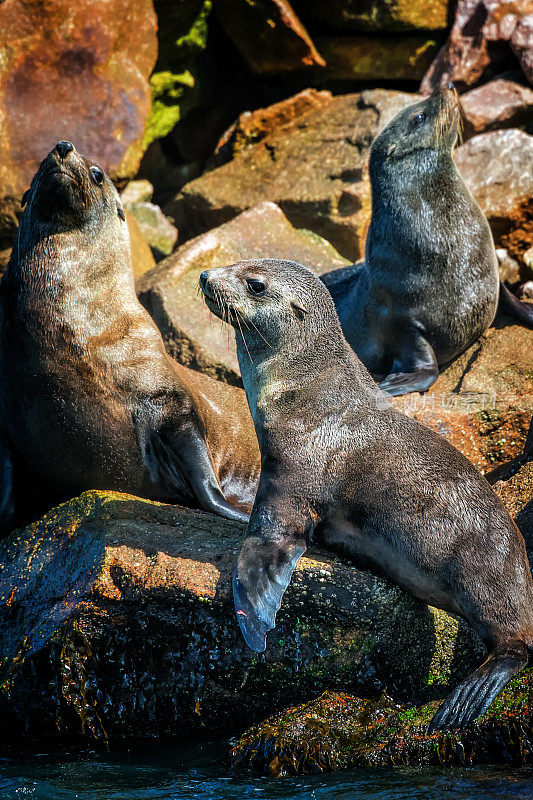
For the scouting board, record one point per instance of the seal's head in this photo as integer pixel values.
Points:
(430, 126)
(270, 300)
(69, 191)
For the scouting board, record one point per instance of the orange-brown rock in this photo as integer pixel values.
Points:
(483, 404)
(76, 71)
(252, 126)
(315, 169)
(116, 621)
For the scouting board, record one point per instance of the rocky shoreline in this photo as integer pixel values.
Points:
(242, 130)
(117, 623)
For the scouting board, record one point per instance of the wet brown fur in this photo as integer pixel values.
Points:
(89, 398)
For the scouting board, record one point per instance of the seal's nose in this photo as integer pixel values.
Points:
(450, 86)
(203, 278)
(64, 148)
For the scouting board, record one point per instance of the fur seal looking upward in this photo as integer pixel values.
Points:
(89, 399)
(429, 285)
(340, 465)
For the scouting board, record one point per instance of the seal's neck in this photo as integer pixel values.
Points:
(389, 185)
(71, 268)
(298, 370)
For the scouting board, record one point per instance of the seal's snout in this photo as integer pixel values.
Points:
(63, 148)
(450, 86)
(204, 278)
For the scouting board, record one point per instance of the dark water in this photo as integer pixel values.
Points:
(172, 773)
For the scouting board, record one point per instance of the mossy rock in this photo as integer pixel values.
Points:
(340, 731)
(179, 79)
(116, 621)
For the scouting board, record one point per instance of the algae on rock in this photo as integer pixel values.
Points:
(179, 78)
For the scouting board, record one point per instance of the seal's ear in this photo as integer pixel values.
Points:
(25, 198)
(120, 211)
(301, 311)
(392, 148)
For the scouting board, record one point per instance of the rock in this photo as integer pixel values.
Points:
(157, 230)
(522, 44)
(526, 291)
(500, 103)
(481, 37)
(269, 35)
(170, 292)
(252, 126)
(315, 170)
(509, 269)
(75, 71)
(376, 15)
(139, 191)
(528, 259)
(142, 258)
(116, 621)
(340, 731)
(361, 58)
(177, 81)
(497, 170)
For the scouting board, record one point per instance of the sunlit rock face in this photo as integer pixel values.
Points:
(76, 71)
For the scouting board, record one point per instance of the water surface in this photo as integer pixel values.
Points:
(172, 772)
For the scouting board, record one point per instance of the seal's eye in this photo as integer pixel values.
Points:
(97, 175)
(419, 118)
(255, 287)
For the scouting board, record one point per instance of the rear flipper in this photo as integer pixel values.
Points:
(475, 694)
(264, 568)
(415, 369)
(510, 304)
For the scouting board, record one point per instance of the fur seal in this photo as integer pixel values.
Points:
(342, 467)
(429, 285)
(89, 399)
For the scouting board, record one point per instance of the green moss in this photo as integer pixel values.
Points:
(179, 79)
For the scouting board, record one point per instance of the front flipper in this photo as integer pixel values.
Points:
(264, 568)
(177, 458)
(415, 369)
(263, 572)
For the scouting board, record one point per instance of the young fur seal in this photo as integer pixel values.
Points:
(340, 465)
(88, 396)
(429, 285)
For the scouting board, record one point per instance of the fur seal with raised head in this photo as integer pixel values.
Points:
(429, 285)
(89, 399)
(341, 466)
